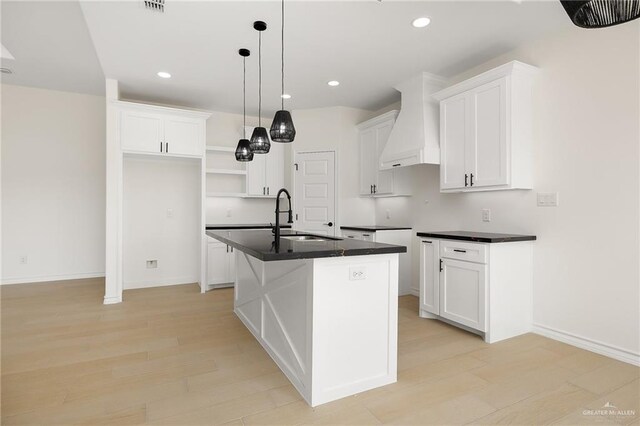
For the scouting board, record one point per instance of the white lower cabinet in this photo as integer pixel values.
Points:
(483, 288)
(221, 270)
(400, 237)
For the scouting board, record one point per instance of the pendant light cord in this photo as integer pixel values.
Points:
(282, 40)
(259, 78)
(244, 97)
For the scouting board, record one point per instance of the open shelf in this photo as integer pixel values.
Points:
(226, 171)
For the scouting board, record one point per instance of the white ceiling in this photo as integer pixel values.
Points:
(51, 45)
(367, 45)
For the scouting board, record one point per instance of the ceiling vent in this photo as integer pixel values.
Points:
(157, 5)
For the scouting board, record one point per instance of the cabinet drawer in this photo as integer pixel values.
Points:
(470, 252)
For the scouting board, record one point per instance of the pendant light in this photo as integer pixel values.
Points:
(282, 129)
(260, 139)
(601, 13)
(243, 151)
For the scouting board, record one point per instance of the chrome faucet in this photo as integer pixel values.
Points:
(290, 219)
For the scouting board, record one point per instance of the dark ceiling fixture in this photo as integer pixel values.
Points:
(157, 5)
(601, 13)
(260, 139)
(282, 128)
(243, 151)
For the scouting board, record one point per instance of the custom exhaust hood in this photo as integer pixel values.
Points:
(415, 135)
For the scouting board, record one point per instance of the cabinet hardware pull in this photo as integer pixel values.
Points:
(231, 249)
(471, 179)
(267, 190)
(366, 235)
(466, 177)
(296, 166)
(264, 192)
(440, 265)
(166, 147)
(459, 251)
(227, 249)
(375, 189)
(370, 189)
(350, 236)
(160, 146)
(396, 165)
(428, 242)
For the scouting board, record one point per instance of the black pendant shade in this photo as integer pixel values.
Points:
(601, 13)
(260, 141)
(282, 129)
(243, 151)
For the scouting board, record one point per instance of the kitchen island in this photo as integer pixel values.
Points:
(325, 309)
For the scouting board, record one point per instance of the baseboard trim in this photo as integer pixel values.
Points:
(132, 285)
(112, 300)
(46, 278)
(588, 344)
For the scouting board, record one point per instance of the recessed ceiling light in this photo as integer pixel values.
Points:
(164, 74)
(285, 96)
(421, 22)
(333, 83)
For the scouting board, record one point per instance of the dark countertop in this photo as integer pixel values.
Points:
(243, 226)
(260, 244)
(478, 237)
(374, 228)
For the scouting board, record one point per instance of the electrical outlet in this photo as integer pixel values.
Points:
(486, 215)
(152, 264)
(229, 213)
(388, 214)
(169, 213)
(547, 199)
(24, 259)
(357, 273)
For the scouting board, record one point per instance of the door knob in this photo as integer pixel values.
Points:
(330, 224)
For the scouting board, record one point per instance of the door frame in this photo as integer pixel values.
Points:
(336, 198)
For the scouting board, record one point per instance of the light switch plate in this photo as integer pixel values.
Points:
(547, 199)
(486, 215)
(357, 273)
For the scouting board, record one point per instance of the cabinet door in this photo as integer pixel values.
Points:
(140, 131)
(256, 184)
(217, 263)
(368, 158)
(384, 178)
(487, 150)
(353, 235)
(462, 293)
(430, 276)
(454, 126)
(274, 168)
(183, 137)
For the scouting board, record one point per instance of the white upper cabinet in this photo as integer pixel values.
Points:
(372, 137)
(159, 130)
(265, 173)
(486, 131)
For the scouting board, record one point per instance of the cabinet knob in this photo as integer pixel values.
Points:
(330, 224)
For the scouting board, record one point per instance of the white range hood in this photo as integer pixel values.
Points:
(415, 135)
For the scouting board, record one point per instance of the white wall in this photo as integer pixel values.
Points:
(53, 184)
(335, 129)
(161, 216)
(586, 115)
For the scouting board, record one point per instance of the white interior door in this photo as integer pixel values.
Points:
(314, 200)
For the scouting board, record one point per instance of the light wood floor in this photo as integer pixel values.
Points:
(175, 357)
